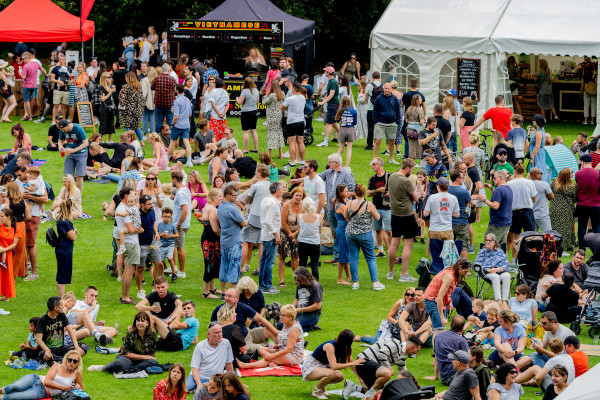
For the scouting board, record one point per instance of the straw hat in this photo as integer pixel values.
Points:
(3, 64)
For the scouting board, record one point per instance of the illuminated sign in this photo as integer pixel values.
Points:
(228, 31)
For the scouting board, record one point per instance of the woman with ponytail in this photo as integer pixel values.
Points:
(64, 251)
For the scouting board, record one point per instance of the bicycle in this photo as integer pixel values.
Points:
(487, 163)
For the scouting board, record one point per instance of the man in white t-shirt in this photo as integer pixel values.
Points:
(543, 375)
(370, 100)
(211, 356)
(553, 330)
(441, 207)
(84, 313)
(314, 186)
(132, 248)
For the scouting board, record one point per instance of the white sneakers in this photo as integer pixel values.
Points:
(181, 274)
(319, 393)
(323, 144)
(355, 285)
(407, 278)
(378, 286)
(392, 161)
(390, 275)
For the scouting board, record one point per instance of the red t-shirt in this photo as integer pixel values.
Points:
(500, 117)
(587, 187)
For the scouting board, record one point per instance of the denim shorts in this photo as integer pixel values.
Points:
(166, 252)
(75, 164)
(385, 222)
(30, 93)
(231, 259)
(432, 310)
(177, 133)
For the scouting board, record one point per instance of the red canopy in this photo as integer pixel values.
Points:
(41, 21)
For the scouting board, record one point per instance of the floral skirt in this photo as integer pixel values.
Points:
(218, 127)
(309, 366)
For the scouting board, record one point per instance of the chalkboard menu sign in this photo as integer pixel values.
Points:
(469, 74)
(86, 115)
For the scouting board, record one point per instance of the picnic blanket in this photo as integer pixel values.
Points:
(101, 180)
(338, 392)
(590, 349)
(85, 216)
(284, 370)
(37, 162)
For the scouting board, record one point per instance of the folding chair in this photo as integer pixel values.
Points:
(513, 269)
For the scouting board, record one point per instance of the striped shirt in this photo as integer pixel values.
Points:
(333, 178)
(387, 352)
(164, 87)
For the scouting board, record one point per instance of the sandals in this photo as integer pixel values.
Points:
(215, 291)
(282, 284)
(209, 296)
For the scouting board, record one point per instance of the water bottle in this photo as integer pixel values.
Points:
(24, 358)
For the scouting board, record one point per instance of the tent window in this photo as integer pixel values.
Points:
(448, 77)
(400, 68)
(502, 84)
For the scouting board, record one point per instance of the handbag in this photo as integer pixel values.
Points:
(591, 87)
(412, 134)
(385, 200)
(75, 394)
(91, 88)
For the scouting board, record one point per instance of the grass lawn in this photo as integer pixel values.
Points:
(361, 310)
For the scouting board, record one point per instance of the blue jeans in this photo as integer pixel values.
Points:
(231, 261)
(139, 135)
(129, 56)
(363, 241)
(452, 144)
(333, 225)
(148, 121)
(539, 359)
(160, 114)
(190, 383)
(267, 259)
(432, 310)
(307, 321)
(114, 177)
(29, 387)
(370, 339)
(462, 302)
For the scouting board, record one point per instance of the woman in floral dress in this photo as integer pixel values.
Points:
(563, 206)
(131, 105)
(273, 101)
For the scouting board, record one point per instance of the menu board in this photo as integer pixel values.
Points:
(86, 115)
(469, 75)
(227, 31)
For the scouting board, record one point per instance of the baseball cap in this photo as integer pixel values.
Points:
(442, 181)
(460, 356)
(207, 62)
(329, 70)
(501, 151)
(63, 123)
(573, 340)
(452, 92)
(428, 153)
(586, 158)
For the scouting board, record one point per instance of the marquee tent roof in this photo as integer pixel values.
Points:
(41, 21)
(294, 29)
(548, 27)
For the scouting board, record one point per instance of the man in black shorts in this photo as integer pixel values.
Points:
(333, 103)
(161, 303)
(376, 370)
(404, 224)
(181, 332)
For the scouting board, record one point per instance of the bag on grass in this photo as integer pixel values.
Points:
(75, 394)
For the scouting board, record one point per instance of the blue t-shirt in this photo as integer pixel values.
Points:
(188, 334)
(169, 228)
(482, 316)
(446, 343)
(518, 137)
(74, 138)
(349, 117)
(513, 340)
(32, 340)
(230, 219)
(243, 313)
(523, 310)
(148, 218)
(463, 198)
(183, 196)
(503, 215)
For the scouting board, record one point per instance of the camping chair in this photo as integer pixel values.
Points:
(405, 389)
(513, 269)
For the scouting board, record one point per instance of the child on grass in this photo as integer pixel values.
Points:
(133, 212)
(29, 348)
(210, 390)
(167, 232)
(478, 317)
(232, 388)
(485, 335)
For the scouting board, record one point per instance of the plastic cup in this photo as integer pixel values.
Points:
(62, 153)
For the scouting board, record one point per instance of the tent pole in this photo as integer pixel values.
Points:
(93, 49)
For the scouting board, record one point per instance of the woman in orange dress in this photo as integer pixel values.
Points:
(9, 237)
(21, 212)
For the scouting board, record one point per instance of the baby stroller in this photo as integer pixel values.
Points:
(308, 128)
(530, 250)
(590, 312)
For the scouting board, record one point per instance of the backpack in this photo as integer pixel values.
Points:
(49, 191)
(52, 238)
(377, 90)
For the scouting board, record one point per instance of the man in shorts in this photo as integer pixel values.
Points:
(73, 142)
(178, 335)
(404, 224)
(460, 224)
(231, 221)
(84, 314)
(62, 77)
(251, 233)
(182, 215)
(180, 128)
(30, 75)
(333, 103)
(386, 117)
(149, 238)
(378, 190)
(132, 248)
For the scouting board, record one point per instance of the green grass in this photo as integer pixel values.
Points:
(360, 310)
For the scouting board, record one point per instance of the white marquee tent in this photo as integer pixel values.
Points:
(423, 39)
(584, 387)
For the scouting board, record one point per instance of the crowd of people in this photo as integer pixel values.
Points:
(294, 221)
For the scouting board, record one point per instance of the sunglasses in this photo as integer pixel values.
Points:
(513, 371)
(73, 360)
(353, 58)
(150, 179)
(409, 294)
